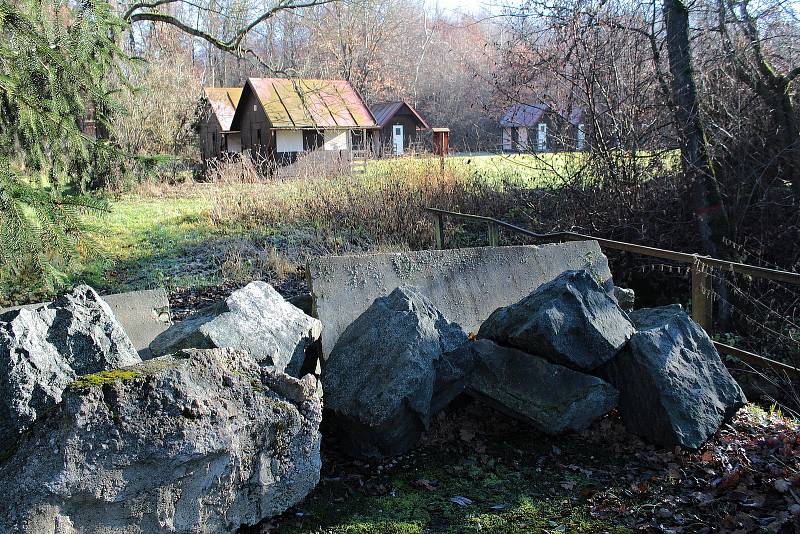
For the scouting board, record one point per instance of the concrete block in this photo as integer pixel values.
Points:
(466, 284)
(143, 315)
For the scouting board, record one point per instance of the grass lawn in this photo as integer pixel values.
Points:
(177, 236)
(525, 170)
(546, 169)
(143, 241)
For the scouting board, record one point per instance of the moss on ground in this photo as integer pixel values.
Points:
(103, 377)
(418, 498)
(514, 480)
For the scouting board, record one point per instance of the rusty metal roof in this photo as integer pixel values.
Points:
(223, 102)
(305, 103)
(384, 112)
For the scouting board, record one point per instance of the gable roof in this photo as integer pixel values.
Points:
(292, 104)
(223, 102)
(575, 115)
(523, 115)
(384, 111)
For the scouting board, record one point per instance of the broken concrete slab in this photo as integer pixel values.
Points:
(142, 314)
(466, 284)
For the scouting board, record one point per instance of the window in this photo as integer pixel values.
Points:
(541, 138)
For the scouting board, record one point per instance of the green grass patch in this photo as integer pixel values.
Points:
(142, 242)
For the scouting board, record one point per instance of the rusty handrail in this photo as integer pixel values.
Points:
(701, 283)
(683, 257)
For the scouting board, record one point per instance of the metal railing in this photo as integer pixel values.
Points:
(702, 304)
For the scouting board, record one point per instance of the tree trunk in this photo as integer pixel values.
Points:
(789, 133)
(705, 198)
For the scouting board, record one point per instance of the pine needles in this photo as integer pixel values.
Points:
(57, 65)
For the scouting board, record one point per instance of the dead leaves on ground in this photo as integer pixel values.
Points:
(746, 479)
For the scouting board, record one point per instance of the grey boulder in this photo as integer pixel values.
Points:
(553, 398)
(380, 375)
(626, 298)
(674, 388)
(205, 441)
(42, 350)
(255, 319)
(571, 321)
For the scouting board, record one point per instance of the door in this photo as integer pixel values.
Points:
(397, 138)
(541, 140)
(581, 138)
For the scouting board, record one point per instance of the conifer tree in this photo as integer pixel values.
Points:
(56, 60)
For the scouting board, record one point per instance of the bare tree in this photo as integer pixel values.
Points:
(710, 212)
(197, 19)
(752, 48)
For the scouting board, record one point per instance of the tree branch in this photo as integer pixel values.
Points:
(232, 45)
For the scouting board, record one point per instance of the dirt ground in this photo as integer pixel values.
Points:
(480, 471)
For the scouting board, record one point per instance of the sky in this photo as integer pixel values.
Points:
(466, 6)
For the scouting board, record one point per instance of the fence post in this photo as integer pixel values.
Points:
(438, 230)
(494, 234)
(702, 303)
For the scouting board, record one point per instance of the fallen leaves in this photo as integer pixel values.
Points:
(424, 483)
(745, 479)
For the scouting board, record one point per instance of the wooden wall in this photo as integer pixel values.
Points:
(255, 127)
(210, 135)
(409, 122)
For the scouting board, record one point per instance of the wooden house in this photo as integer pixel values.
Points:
(280, 118)
(400, 125)
(215, 132)
(540, 128)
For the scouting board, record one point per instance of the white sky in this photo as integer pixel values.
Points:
(465, 6)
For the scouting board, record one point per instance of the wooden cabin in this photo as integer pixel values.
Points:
(215, 132)
(400, 125)
(281, 118)
(539, 128)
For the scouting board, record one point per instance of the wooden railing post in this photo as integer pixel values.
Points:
(494, 234)
(438, 230)
(702, 302)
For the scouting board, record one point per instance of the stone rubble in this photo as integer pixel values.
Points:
(222, 430)
(203, 441)
(42, 350)
(255, 319)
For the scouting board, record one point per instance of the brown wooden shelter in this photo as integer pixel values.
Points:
(215, 132)
(280, 118)
(400, 125)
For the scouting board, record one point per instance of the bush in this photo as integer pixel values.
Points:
(382, 208)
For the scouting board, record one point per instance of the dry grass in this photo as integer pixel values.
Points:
(244, 261)
(380, 209)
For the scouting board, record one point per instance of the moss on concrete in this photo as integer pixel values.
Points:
(103, 377)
